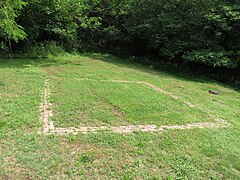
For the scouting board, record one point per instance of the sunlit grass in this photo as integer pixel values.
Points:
(188, 154)
(95, 103)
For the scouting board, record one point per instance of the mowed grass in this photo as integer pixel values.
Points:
(175, 154)
(95, 103)
(20, 91)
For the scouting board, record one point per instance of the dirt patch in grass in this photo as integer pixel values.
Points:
(116, 110)
(55, 70)
(94, 160)
(15, 170)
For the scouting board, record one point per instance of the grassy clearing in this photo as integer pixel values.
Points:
(93, 103)
(190, 154)
(20, 90)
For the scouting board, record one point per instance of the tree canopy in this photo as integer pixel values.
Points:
(8, 14)
(203, 31)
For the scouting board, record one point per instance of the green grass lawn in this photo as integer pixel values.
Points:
(93, 103)
(175, 154)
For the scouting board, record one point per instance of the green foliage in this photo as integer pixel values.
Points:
(211, 58)
(201, 31)
(205, 31)
(73, 23)
(52, 19)
(44, 50)
(8, 13)
(85, 158)
(185, 168)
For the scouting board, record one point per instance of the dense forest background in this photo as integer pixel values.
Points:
(202, 32)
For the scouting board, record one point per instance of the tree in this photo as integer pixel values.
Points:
(9, 29)
(202, 31)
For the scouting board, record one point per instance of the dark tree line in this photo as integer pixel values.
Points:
(202, 31)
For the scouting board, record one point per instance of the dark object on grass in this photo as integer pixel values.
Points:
(213, 92)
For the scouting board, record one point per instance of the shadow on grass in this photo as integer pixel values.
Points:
(121, 61)
(26, 62)
(162, 68)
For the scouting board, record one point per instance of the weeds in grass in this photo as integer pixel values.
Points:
(198, 153)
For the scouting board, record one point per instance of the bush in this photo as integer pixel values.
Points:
(43, 50)
(211, 58)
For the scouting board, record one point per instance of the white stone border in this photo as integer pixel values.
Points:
(135, 128)
(48, 125)
(46, 109)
